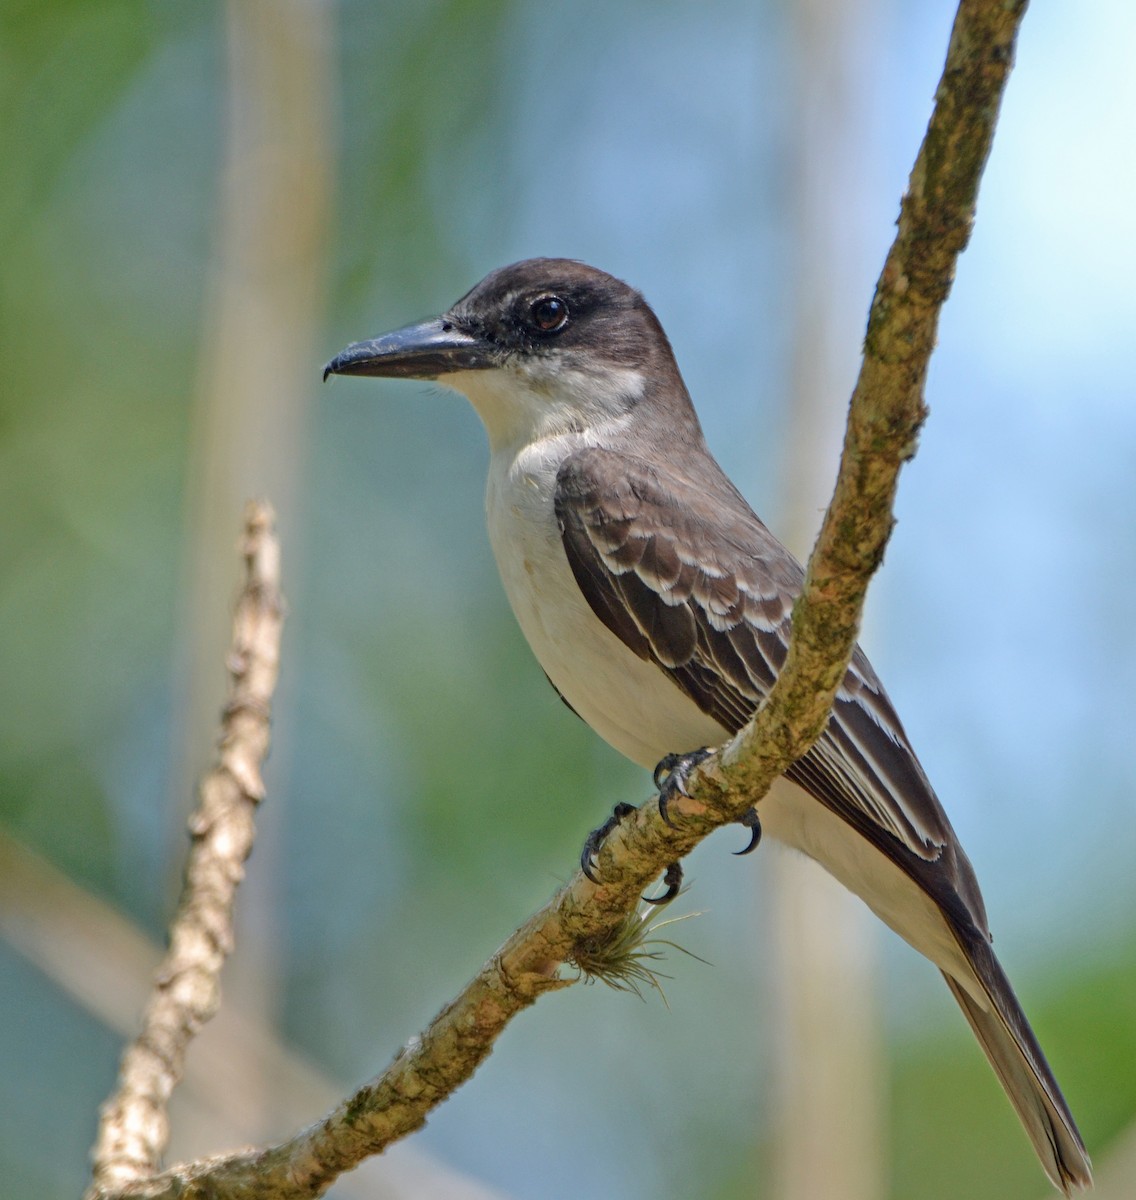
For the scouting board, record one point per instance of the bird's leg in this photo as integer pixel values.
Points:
(671, 777)
(596, 838)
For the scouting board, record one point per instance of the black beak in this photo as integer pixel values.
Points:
(422, 351)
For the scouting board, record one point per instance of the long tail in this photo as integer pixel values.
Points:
(1004, 1033)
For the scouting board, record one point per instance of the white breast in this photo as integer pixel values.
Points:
(628, 701)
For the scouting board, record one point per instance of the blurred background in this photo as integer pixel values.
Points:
(200, 205)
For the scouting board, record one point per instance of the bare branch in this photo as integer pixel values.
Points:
(133, 1129)
(886, 413)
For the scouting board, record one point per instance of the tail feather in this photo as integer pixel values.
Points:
(1010, 1045)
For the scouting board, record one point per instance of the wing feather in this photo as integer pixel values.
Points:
(705, 591)
(707, 594)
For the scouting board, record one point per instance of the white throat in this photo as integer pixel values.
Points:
(531, 401)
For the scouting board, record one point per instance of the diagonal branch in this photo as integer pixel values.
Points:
(887, 408)
(886, 413)
(133, 1126)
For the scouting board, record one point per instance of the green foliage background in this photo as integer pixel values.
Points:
(428, 790)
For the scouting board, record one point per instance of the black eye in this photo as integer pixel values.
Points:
(549, 314)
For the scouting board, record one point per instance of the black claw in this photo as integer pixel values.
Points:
(673, 880)
(595, 839)
(664, 768)
(671, 776)
(752, 822)
(664, 800)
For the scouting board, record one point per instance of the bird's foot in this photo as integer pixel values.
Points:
(671, 776)
(672, 877)
(597, 837)
(673, 880)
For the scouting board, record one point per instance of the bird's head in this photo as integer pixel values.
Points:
(542, 347)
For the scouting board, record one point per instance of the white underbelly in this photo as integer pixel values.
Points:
(792, 816)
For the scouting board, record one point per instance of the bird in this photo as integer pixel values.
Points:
(659, 607)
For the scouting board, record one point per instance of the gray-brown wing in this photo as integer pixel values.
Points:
(688, 577)
(692, 580)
